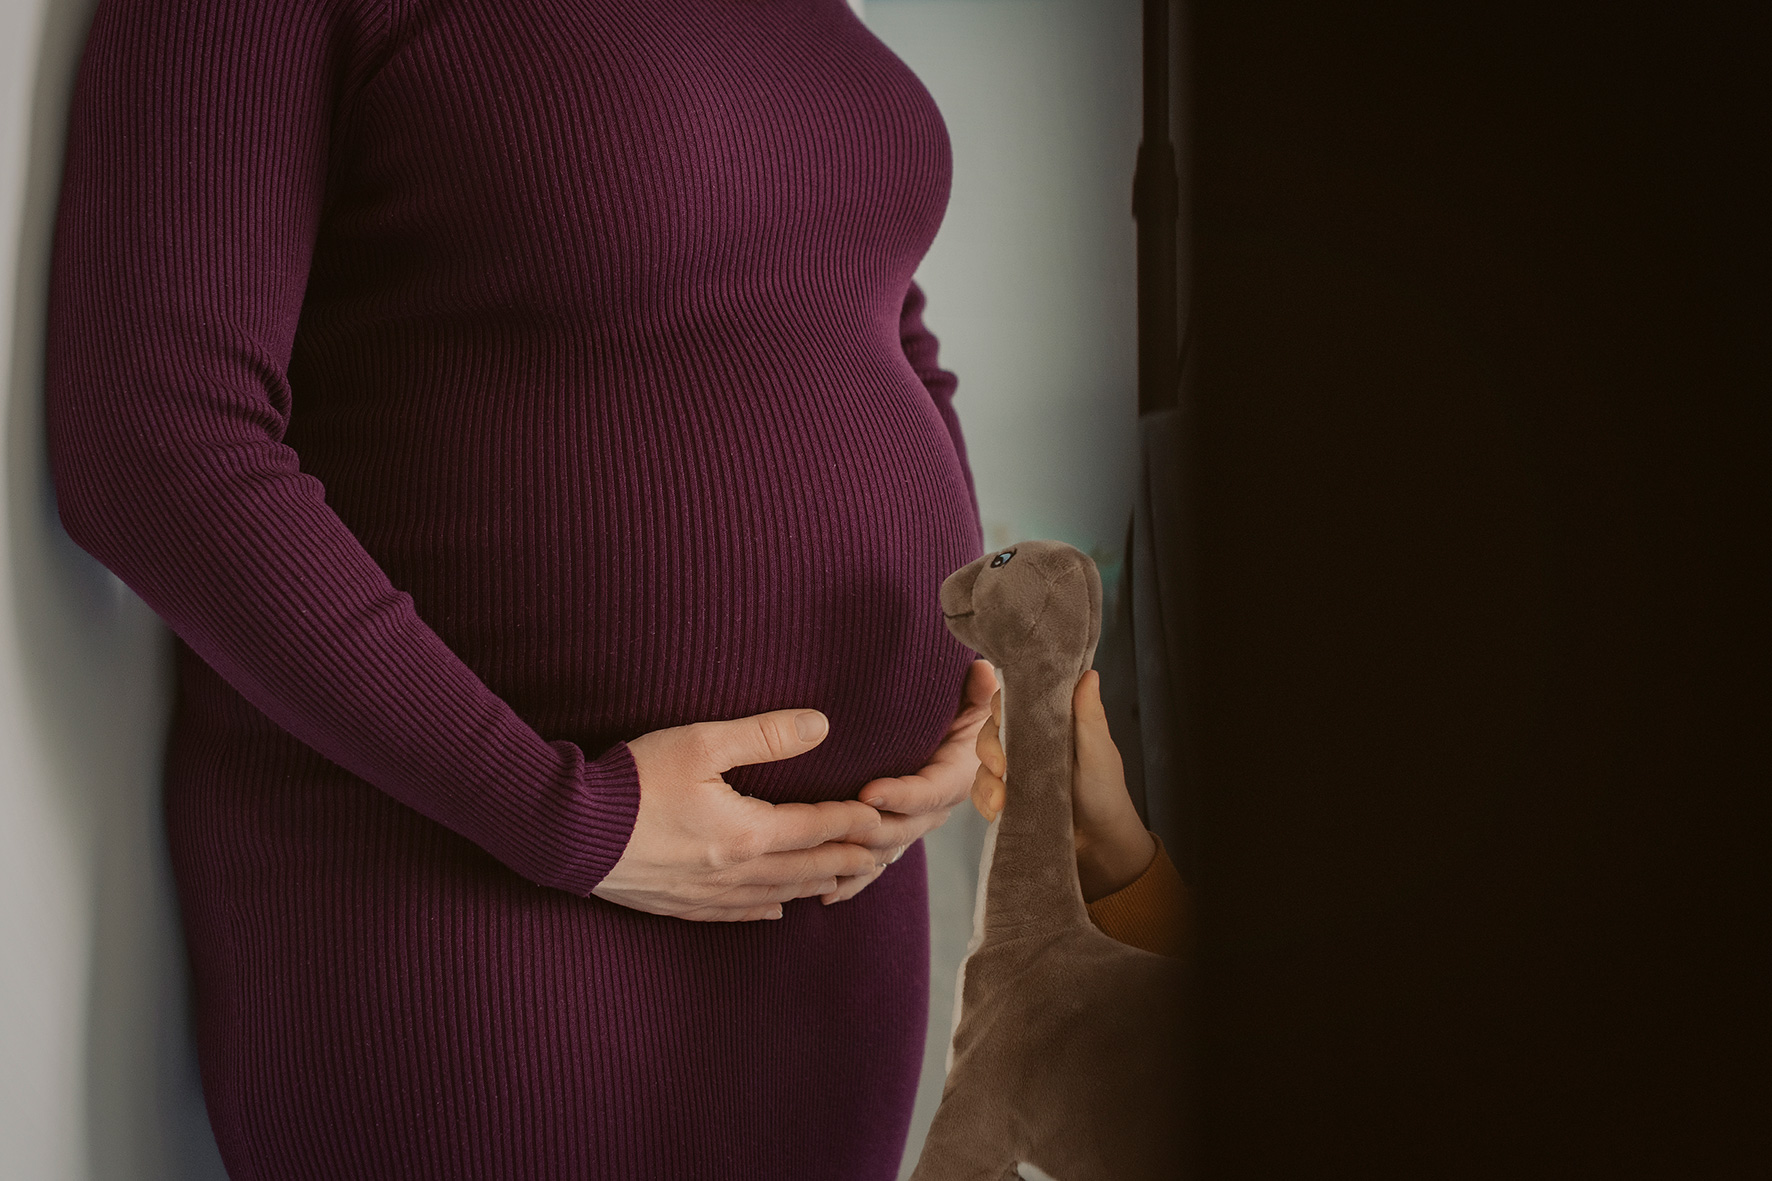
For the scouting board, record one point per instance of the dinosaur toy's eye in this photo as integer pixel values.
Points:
(1002, 559)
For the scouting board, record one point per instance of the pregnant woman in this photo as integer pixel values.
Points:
(522, 414)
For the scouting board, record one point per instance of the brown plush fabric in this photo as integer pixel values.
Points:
(1066, 1039)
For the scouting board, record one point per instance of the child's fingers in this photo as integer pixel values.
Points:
(988, 793)
(1097, 756)
(1086, 701)
(990, 745)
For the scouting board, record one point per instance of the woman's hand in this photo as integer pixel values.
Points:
(912, 805)
(1113, 846)
(699, 850)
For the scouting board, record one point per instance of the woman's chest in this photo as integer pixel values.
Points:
(586, 155)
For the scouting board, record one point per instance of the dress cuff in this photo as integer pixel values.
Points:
(1152, 912)
(609, 802)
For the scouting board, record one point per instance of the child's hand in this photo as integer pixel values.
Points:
(1113, 847)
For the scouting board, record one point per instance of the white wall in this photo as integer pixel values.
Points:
(97, 1079)
(1031, 290)
(1031, 281)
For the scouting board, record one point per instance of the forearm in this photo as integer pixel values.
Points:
(1107, 865)
(1152, 911)
(191, 200)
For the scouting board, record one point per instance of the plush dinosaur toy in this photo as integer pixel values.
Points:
(1066, 1042)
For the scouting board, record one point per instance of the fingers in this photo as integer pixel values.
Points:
(730, 914)
(937, 787)
(975, 697)
(1113, 848)
(760, 738)
(830, 890)
(988, 790)
(942, 782)
(838, 859)
(748, 897)
(1098, 759)
(1091, 715)
(779, 828)
(848, 888)
(989, 745)
(988, 793)
(1100, 769)
(780, 877)
(896, 832)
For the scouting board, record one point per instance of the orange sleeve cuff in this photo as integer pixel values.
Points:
(1151, 913)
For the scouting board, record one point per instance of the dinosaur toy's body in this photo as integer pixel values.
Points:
(1065, 1041)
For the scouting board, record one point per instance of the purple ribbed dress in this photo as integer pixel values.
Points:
(473, 385)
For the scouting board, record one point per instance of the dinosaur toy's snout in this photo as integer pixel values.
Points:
(959, 609)
(1041, 593)
(956, 590)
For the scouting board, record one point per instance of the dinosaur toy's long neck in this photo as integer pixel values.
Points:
(1032, 883)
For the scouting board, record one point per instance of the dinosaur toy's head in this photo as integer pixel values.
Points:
(1038, 600)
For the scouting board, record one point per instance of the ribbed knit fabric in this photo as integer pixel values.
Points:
(473, 385)
(1151, 911)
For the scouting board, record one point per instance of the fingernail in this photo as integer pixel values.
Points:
(873, 801)
(810, 725)
(777, 913)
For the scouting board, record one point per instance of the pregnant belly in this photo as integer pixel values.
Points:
(640, 569)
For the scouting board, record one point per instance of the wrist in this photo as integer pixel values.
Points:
(1108, 865)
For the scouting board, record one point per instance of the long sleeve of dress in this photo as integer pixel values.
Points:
(921, 350)
(196, 173)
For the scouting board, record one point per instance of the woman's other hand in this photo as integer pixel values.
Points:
(1113, 846)
(700, 850)
(913, 805)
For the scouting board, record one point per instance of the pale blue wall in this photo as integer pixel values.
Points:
(1032, 291)
(1031, 281)
(97, 1078)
